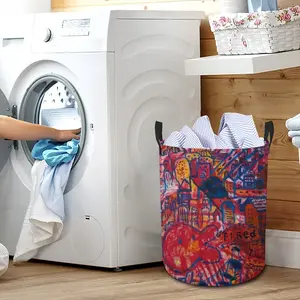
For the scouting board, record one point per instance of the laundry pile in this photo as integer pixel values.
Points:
(235, 131)
(43, 223)
(293, 126)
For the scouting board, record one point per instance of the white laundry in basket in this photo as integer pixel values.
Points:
(236, 131)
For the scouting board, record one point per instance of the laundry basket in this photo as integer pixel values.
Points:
(213, 212)
(258, 32)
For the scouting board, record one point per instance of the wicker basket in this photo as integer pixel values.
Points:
(257, 33)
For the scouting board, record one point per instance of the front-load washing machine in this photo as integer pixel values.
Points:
(114, 73)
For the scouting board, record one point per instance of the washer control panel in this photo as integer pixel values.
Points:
(76, 27)
(71, 32)
(45, 35)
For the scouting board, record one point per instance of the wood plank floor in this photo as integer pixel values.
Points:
(35, 281)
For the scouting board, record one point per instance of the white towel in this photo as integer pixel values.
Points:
(4, 259)
(41, 226)
(296, 141)
(294, 133)
(293, 124)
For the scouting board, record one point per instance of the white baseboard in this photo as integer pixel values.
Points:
(283, 249)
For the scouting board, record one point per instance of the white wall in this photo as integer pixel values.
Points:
(24, 6)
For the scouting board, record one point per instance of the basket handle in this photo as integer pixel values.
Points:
(158, 134)
(269, 132)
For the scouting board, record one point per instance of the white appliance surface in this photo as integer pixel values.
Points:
(120, 72)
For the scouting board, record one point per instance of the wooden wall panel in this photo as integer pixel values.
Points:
(62, 4)
(287, 3)
(283, 215)
(206, 33)
(267, 96)
(283, 180)
(266, 99)
(208, 47)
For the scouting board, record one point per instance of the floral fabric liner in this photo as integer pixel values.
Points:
(264, 19)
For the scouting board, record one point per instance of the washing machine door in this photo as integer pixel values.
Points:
(5, 145)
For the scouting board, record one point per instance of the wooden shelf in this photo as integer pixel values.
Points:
(242, 64)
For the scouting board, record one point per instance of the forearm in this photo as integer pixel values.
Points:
(13, 129)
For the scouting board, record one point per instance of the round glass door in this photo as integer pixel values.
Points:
(52, 101)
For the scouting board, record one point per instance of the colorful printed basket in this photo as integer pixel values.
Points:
(213, 209)
(256, 33)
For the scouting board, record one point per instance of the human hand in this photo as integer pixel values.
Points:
(68, 135)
